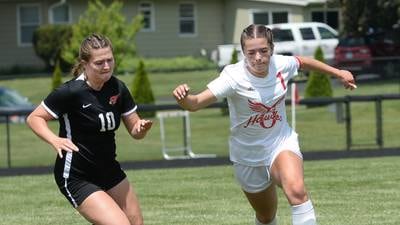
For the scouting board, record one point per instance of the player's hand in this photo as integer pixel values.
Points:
(347, 79)
(181, 92)
(63, 144)
(143, 126)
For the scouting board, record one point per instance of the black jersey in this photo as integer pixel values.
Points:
(89, 118)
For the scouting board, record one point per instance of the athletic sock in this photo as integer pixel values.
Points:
(271, 223)
(303, 214)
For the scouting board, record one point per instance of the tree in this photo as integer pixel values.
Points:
(359, 16)
(48, 41)
(141, 89)
(57, 76)
(108, 21)
(318, 84)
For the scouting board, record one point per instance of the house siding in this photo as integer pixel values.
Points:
(16, 55)
(217, 22)
(165, 40)
(13, 54)
(239, 16)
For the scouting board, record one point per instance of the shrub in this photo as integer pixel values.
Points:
(48, 41)
(318, 84)
(57, 76)
(141, 89)
(180, 63)
(234, 57)
(108, 21)
(391, 70)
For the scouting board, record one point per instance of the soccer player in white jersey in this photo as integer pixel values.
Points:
(263, 148)
(89, 109)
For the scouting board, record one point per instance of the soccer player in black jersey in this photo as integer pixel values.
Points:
(89, 109)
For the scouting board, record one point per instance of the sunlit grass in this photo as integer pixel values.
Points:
(317, 127)
(351, 192)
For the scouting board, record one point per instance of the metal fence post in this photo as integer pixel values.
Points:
(185, 141)
(379, 133)
(348, 123)
(8, 141)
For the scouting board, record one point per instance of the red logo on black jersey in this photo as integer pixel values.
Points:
(113, 99)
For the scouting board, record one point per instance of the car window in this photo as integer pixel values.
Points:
(325, 33)
(12, 98)
(282, 35)
(351, 41)
(307, 33)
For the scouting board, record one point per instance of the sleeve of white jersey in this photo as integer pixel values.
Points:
(222, 86)
(292, 66)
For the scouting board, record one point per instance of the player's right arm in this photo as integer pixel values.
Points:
(193, 102)
(37, 121)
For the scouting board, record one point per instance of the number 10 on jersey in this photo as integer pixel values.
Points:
(109, 117)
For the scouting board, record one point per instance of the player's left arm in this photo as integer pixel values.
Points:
(344, 76)
(136, 126)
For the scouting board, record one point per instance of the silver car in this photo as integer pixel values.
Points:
(13, 105)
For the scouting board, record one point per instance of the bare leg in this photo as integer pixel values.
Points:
(287, 172)
(264, 203)
(99, 208)
(124, 195)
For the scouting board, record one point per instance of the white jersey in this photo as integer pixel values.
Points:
(256, 108)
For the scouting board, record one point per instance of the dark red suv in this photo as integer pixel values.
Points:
(369, 53)
(352, 53)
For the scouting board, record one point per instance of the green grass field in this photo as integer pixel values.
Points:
(344, 192)
(317, 127)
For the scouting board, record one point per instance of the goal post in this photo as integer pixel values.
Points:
(179, 152)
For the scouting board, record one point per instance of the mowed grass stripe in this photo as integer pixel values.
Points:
(348, 191)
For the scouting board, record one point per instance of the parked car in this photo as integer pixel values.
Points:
(384, 44)
(292, 39)
(352, 53)
(10, 101)
(367, 53)
(304, 38)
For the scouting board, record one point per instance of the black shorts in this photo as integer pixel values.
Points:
(77, 188)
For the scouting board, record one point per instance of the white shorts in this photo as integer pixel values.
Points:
(254, 179)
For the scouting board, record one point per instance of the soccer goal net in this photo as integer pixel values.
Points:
(170, 123)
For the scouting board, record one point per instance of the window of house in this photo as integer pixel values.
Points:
(280, 17)
(270, 17)
(147, 10)
(332, 18)
(28, 18)
(261, 18)
(60, 14)
(307, 33)
(186, 18)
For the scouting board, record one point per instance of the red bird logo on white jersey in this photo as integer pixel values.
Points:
(261, 108)
(267, 115)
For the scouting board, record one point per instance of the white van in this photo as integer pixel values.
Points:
(293, 39)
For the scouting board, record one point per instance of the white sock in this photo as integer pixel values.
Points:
(303, 214)
(271, 223)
